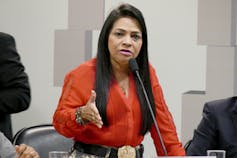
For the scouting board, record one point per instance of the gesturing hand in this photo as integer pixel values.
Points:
(90, 113)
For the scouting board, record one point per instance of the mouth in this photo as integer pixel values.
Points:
(125, 52)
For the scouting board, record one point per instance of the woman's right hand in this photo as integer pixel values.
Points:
(90, 113)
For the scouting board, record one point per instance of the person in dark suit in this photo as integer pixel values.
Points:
(14, 84)
(217, 129)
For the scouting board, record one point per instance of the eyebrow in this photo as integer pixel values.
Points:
(120, 29)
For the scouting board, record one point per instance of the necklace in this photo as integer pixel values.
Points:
(124, 85)
(124, 90)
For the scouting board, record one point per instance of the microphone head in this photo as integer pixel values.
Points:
(133, 65)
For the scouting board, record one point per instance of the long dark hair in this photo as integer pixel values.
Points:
(104, 69)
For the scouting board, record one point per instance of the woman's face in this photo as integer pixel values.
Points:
(125, 40)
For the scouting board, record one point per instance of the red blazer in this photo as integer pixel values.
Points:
(123, 113)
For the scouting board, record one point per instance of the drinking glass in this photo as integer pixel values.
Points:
(58, 154)
(217, 153)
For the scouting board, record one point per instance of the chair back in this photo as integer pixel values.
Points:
(187, 144)
(43, 138)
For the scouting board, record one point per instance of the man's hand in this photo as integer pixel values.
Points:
(25, 151)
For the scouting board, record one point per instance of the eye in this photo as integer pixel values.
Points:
(136, 37)
(118, 34)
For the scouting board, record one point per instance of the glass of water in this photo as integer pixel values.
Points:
(58, 154)
(217, 153)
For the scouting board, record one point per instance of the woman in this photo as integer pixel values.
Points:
(102, 105)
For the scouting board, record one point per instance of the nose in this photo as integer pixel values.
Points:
(127, 41)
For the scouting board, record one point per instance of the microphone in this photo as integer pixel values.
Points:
(135, 69)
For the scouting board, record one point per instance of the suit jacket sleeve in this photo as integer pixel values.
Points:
(205, 135)
(14, 84)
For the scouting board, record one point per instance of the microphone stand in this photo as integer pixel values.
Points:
(152, 114)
